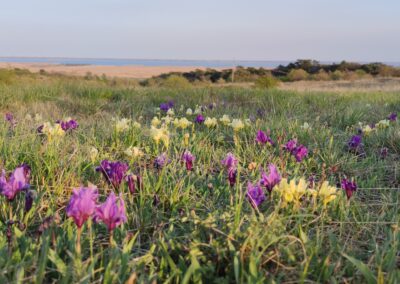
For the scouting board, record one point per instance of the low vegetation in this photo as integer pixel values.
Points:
(110, 182)
(297, 71)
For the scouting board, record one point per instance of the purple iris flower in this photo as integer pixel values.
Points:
(111, 212)
(255, 194)
(82, 204)
(263, 138)
(156, 200)
(272, 179)
(114, 172)
(200, 119)
(133, 182)
(40, 129)
(17, 181)
(30, 195)
(230, 161)
(10, 118)
(166, 106)
(68, 125)
(349, 187)
(161, 161)
(291, 145)
(355, 142)
(188, 158)
(232, 173)
(171, 104)
(260, 112)
(384, 152)
(311, 181)
(392, 116)
(300, 152)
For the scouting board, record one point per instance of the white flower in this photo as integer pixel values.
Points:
(237, 124)
(306, 126)
(38, 117)
(210, 122)
(171, 112)
(155, 121)
(383, 123)
(133, 152)
(167, 120)
(225, 119)
(93, 153)
(367, 129)
(182, 123)
(52, 131)
(122, 125)
(197, 110)
(189, 111)
(136, 124)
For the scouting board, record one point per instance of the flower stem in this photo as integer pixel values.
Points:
(78, 241)
(111, 239)
(11, 211)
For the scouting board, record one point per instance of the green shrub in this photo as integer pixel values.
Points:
(297, 75)
(175, 82)
(337, 75)
(267, 82)
(322, 75)
(6, 76)
(387, 71)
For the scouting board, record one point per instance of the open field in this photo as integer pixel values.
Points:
(192, 216)
(365, 85)
(136, 72)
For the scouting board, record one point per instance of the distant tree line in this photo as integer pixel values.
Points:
(299, 70)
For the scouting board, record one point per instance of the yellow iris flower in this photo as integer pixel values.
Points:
(327, 193)
(292, 192)
(160, 134)
(237, 124)
(182, 123)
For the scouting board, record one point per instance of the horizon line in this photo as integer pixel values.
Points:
(185, 59)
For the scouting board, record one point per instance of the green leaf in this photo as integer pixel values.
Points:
(236, 267)
(128, 247)
(40, 272)
(363, 268)
(19, 275)
(58, 262)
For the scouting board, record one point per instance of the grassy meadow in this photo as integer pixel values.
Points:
(192, 226)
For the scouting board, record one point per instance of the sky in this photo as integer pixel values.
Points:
(326, 30)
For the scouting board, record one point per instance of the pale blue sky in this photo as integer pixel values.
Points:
(363, 30)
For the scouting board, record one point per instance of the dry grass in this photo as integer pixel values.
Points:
(364, 85)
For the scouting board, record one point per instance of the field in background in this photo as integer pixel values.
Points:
(363, 85)
(187, 226)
